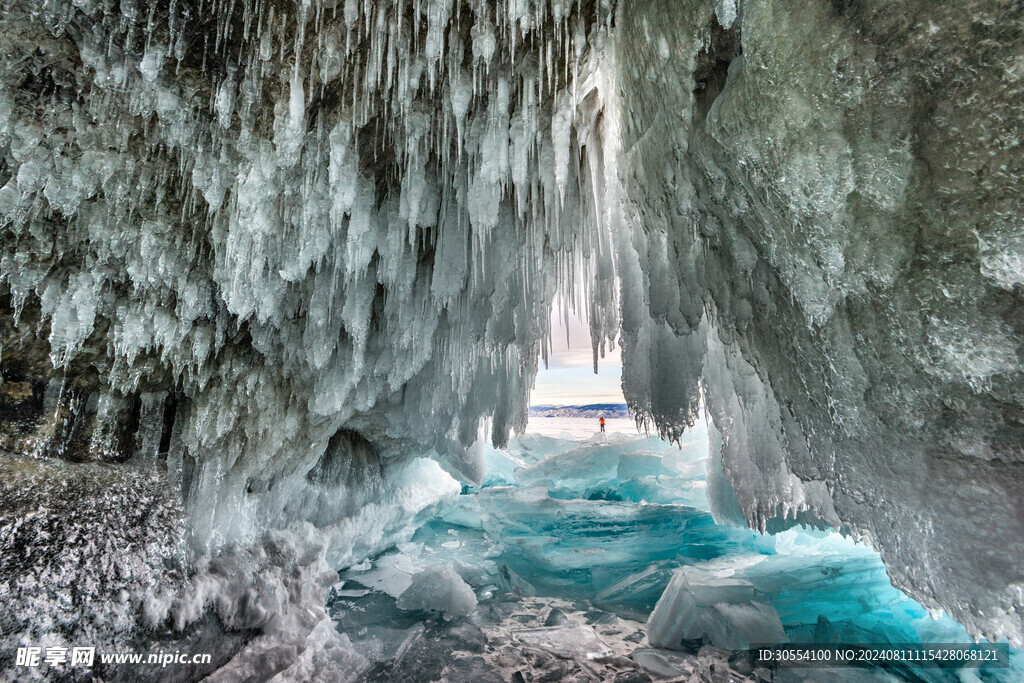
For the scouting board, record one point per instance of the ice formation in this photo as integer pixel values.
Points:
(591, 590)
(816, 196)
(280, 250)
(724, 610)
(438, 589)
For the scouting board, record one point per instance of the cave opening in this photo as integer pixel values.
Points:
(605, 543)
(284, 288)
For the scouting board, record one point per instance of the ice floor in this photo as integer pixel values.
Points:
(596, 559)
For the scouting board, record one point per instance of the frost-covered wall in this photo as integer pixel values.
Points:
(826, 218)
(284, 247)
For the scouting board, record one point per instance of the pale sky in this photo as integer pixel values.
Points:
(569, 378)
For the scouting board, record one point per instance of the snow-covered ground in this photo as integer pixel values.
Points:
(579, 428)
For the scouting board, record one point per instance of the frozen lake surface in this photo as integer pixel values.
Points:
(594, 557)
(580, 428)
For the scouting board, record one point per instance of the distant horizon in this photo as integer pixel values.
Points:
(579, 405)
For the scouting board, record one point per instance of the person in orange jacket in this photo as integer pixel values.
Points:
(602, 424)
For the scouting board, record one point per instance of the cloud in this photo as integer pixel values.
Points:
(578, 386)
(575, 358)
(569, 378)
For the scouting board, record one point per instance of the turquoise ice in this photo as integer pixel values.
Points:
(620, 526)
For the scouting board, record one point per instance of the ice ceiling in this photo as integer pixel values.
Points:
(287, 245)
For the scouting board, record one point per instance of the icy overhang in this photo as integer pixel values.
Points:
(824, 220)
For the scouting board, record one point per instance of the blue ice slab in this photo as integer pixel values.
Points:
(533, 448)
(611, 522)
(574, 534)
(631, 470)
(582, 548)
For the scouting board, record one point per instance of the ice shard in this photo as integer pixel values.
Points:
(724, 610)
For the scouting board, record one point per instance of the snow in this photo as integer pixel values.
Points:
(580, 429)
(86, 550)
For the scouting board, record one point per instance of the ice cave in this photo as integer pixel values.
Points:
(278, 279)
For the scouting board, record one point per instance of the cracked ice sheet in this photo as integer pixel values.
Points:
(504, 636)
(612, 553)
